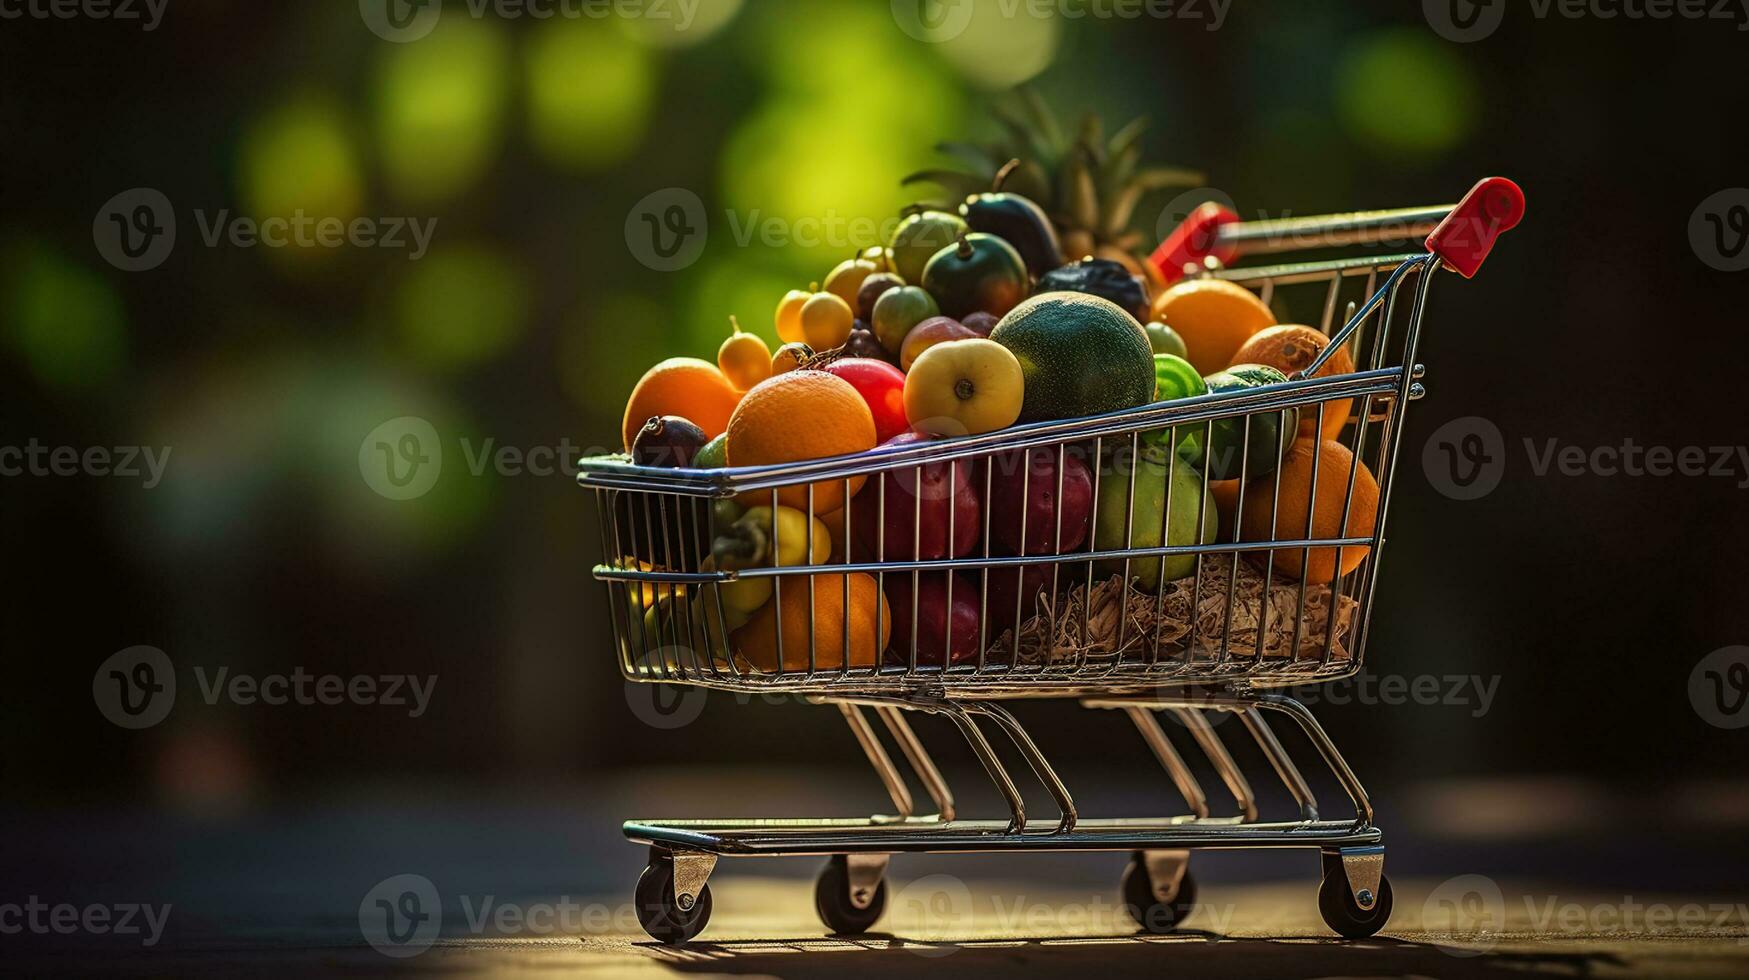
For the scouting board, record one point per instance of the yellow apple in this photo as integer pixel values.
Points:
(964, 387)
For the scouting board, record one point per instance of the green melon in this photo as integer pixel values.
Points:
(1081, 355)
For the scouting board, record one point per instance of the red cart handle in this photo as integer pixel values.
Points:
(1460, 234)
(1467, 234)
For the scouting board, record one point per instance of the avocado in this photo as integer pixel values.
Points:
(1081, 355)
(1020, 223)
(979, 272)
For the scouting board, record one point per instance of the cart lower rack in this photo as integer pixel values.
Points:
(1124, 614)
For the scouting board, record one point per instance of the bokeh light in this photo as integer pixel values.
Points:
(1005, 43)
(590, 93)
(440, 108)
(681, 25)
(67, 321)
(300, 158)
(1403, 91)
(460, 305)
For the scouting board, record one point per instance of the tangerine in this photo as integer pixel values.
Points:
(817, 622)
(1264, 519)
(795, 416)
(1214, 317)
(691, 388)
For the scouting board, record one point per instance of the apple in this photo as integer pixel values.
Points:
(1016, 590)
(964, 387)
(941, 626)
(882, 386)
(897, 311)
(1029, 487)
(1165, 492)
(945, 491)
(935, 330)
(981, 323)
(873, 288)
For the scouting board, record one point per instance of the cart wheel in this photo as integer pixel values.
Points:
(1341, 912)
(832, 900)
(1149, 912)
(660, 913)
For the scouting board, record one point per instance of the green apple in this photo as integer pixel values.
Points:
(1165, 340)
(897, 311)
(1147, 510)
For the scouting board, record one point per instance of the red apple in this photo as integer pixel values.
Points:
(1016, 590)
(944, 488)
(980, 323)
(940, 627)
(1030, 488)
(882, 386)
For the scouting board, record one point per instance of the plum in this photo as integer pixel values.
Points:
(1030, 487)
(1015, 590)
(940, 625)
(668, 440)
(893, 533)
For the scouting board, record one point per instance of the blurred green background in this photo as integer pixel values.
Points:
(529, 141)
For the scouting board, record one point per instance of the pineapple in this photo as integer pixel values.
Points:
(1090, 186)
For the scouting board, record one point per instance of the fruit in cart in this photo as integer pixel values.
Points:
(964, 387)
(1270, 514)
(919, 237)
(1226, 494)
(740, 598)
(897, 311)
(789, 315)
(826, 321)
(846, 278)
(1174, 500)
(935, 330)
(1164, 339)
(1054, 504)
(1017, 221)
(1102, 278)
(1015, 592)
(922, 513)
(979, 272)
(835, 528)
(1291, 348)
(1081, 355)
(872, 289)
(942, 623)
(764, 537)
(789, 357)
(691, 388)
(1252, 445)
(1090, 184)
(881, 256)
(667, 440)
(1214, 317)
(1174, 379)
(981, 323)
(882, 387)
(670, 632)
(744, 359)
(801, 415)
(713, 454)
(862, 343)
(795, 620)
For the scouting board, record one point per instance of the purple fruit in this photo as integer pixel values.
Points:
(941, 626)
(872, 288)
(893, 532)
(667, 440)
(1030, 488)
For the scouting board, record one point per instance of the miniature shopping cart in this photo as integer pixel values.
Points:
(1223, 635)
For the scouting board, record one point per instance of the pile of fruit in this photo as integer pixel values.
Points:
(971, 321)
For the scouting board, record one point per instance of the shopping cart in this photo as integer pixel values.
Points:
(1219, 636)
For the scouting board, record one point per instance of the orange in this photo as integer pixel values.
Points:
(693, 389)
(1214, 317)
(1292, 348)
(1226, 494)
(795, 416)
(756, 643)
(1334, 462)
